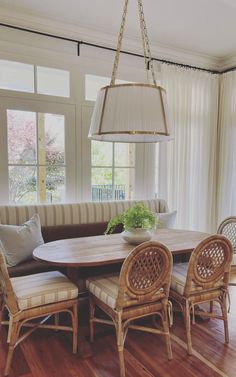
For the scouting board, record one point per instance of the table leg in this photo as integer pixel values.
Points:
(84, 347)
(72, 273)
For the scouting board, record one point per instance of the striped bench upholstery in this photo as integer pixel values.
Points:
(42, 289)
(73, 213)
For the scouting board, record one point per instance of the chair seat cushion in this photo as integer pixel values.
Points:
(105, 288)
(42, 289)
(178, 277)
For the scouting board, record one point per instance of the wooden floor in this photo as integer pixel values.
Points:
(47, 353)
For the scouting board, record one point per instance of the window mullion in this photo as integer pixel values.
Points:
(35, 79)
(37, 156)
(41, 158)
(113, 171)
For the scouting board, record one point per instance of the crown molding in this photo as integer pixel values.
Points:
(228, 62)
(101, 37)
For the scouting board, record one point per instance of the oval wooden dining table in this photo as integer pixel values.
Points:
(110, 249)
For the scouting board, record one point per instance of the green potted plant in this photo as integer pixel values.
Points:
(137, 222)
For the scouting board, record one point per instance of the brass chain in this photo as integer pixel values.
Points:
(119, 43)
(146, 46)
(145, 42)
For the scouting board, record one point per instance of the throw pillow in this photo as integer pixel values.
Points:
(18, 242)
(166, 219)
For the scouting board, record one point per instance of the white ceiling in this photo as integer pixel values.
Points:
(196, 26)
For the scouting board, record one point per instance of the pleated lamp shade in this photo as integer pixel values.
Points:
(131, 113)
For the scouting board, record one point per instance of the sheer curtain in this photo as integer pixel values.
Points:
(227, 147)
(187, 165)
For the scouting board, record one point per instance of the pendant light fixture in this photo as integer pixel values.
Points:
(131, 113)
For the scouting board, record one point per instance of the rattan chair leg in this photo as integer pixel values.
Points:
(9, 329)
(91, 319)
(13, 340)
(75, 328)
(187, 322)
(1, 310)
(225, 319)
(9, 360)
(165, 324)
(121, 360)
(120, 345)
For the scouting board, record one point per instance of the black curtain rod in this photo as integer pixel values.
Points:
(154, 59)
(79, 42)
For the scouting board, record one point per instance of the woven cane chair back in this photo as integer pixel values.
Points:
(228, 229)
(145, 275)
(209, 265)
(6, 286)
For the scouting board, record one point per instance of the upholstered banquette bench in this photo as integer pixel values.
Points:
(60, 221)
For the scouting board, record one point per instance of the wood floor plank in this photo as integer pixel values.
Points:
(208, 341)
(46, 353)
(155, 357)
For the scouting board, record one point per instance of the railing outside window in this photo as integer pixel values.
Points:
(104, 192)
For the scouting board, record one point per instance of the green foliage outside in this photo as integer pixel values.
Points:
(22, 151)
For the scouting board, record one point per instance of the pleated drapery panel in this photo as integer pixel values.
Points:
(226, 194)
(187, 165)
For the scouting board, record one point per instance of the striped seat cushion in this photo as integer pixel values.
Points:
(105, 288)
(42, 289)
(178, 277)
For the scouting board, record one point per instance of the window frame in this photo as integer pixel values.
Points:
(113, 168)
(68, 111)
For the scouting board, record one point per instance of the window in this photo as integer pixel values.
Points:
(16, 76)
(37, 136)
(21, 77)
(113, 170)
(36, 157)
(53, 82)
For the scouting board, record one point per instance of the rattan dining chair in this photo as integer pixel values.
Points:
(203, 279)
(37, 296)
(228, 229)
(140, 290)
